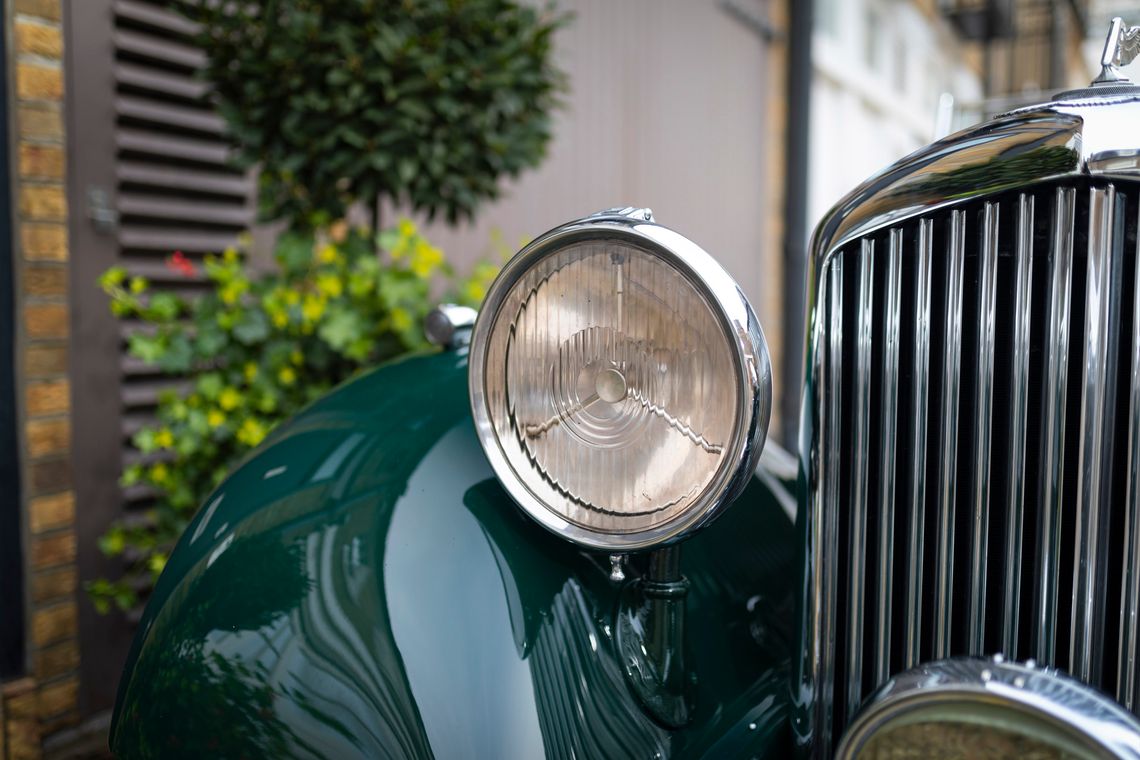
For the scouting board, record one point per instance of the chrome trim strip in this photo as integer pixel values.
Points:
(919, 403)
(1053, 429)
(948, 450)
(860, 453)
(1126, 680)
(887, 448)
(1093, 484)
(979, 546)
(832, 435)
(1019, 413)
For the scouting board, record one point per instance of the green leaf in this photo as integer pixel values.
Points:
(340, 328)
(252, 327)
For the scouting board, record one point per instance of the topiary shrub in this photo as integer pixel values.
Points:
(426, 102)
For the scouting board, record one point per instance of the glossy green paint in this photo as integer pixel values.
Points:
(363, 586)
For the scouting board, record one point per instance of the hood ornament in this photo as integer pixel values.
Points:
(1120, 49)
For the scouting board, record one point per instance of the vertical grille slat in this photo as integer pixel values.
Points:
(1130, 580)
(860, 448)
(887, 449)
(919, 403)
(829, 546)
(948, 443)
(1018, 416)
(982, 421)
(1053, 436)
(979, 441)
(1095, 444)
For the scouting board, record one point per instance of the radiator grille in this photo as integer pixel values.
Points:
(978, 408)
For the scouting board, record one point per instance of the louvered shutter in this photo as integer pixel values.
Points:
(176, 189)
(149, 174)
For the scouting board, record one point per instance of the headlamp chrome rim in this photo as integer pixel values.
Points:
(742, 331)
(1041, 694)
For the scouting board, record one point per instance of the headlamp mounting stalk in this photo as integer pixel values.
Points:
(620, 383)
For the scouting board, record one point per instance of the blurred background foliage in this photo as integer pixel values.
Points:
(340, 104)
(428, 103)
(256, 348)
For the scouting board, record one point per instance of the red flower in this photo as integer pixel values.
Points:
(180, 264)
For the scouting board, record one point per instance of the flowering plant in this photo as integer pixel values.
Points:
(255, 349)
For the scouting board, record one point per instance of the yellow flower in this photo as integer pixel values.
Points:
(312, 308)
(406, 228)
(425, 258)
(251, 432)
(156, 563)
(330, 285)
(229, 399)
(159, 473)
(287, 376)
(215, 418)
(328, 254)
(280, 319)
(292, 298)
(297, 357)
(474, 291)
(401, 319)
(164, 439)
(230, 255)
(138, 285)
(232, 291)
(250, 371)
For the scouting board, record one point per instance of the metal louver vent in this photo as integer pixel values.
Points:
(175, 188)
(979, 447)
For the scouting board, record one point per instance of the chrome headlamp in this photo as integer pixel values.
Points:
(988, 708)
(620, 382)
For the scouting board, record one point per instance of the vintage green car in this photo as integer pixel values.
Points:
(507, 548)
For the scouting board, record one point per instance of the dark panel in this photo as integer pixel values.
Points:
(95, 345)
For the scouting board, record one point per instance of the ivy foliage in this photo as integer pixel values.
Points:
(426, 102)
(257, 348)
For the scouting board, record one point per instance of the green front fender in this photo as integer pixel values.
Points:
(363, 586)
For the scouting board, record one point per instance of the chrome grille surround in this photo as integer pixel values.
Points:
(890, 267)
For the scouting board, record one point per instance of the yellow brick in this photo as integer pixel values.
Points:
(41, 360)
(21, 716)
(45, 9)
(48, 397)
(39, 39)
(55, 623)
(59, 697)
(49, 512)
(53, 550)
(57, 660)
(53, 584)
(46, 202)
(44, 242)
(40, 121)
(35, 82)
(46, 320)
(41, 161)
(45, 281)
(48, 436)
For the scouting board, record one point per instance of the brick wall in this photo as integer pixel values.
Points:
(44, 702)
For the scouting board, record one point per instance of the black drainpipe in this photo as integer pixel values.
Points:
(795, 216)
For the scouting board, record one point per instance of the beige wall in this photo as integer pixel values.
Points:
(667, 110)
